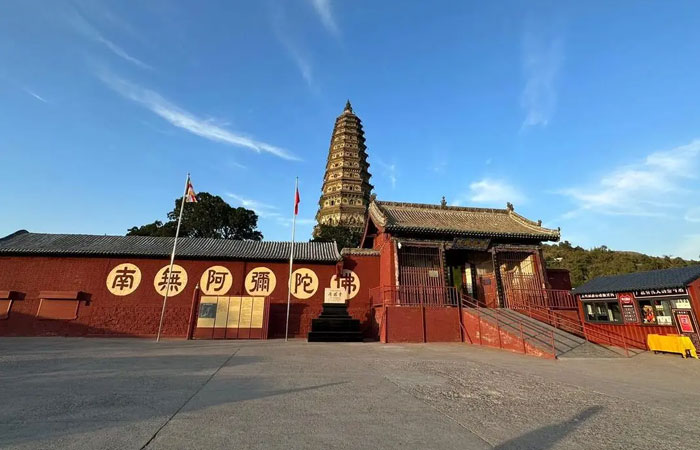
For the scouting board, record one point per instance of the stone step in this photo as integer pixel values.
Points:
(540, 334)
(333, 324)
(335, 336)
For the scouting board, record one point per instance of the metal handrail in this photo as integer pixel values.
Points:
(605, 335)
(553, 298)
(583, 328)
(469, 302)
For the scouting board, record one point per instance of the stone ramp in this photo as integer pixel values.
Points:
(539, 334)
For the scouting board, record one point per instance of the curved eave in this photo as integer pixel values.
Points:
(434, 231)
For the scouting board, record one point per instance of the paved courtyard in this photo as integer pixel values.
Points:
(133, 394)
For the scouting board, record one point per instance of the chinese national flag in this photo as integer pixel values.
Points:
(296, 202)
(190, 197)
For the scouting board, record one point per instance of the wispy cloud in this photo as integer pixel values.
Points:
(260, 208)
(325, 13)
(299, 59)
(646, 188)
(542, 58)
(267, 211)
(81, 25)
(693, 215)
(184, 119)
(35, 95)
(291, 45)
(494, 192)
(389, 171)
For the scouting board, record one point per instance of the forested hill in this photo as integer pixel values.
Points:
(587, 264)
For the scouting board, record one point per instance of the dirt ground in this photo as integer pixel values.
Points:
(135, 393)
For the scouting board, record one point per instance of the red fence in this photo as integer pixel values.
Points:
(546, 298)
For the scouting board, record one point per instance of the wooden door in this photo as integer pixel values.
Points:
(487, 292)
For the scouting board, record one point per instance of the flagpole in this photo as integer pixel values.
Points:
(172, 259)
(291, 259)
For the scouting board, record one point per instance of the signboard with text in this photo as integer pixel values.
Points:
(629, 310)
(598, 295)
(661, 292)
(334, 295)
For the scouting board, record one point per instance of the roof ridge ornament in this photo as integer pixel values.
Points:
(443, 203)
(509, 206)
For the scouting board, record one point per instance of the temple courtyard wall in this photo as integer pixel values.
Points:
(71, 296)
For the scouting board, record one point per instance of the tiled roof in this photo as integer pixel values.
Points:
(654, 279)
(24, 243)
(437, 219)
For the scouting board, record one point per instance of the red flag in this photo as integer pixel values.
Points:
(190, 196)
(296, 202)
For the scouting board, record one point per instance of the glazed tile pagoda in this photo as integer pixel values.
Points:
(346, 189)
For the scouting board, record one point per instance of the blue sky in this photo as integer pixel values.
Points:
(583, 114)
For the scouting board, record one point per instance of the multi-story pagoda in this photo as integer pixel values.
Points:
(346, 189)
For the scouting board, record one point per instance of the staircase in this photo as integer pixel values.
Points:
(531, 335)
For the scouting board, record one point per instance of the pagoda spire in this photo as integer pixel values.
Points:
(345, 195)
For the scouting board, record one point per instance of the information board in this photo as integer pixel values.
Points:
(629, 309)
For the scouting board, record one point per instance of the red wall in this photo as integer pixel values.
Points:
(138, 314)
(421, 324)
(387, 261)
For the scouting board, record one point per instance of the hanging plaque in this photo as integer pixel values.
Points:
(470, 244)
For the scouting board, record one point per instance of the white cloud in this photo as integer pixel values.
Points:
(541, 60)
(494, 192)
(325, 13)
(299, 59)
(186, 120)
(82, 26)
(269, 212)
(291, 45)
(35, 95)
(389, 171)
(261, 209)
(647, 188)
(693, 215)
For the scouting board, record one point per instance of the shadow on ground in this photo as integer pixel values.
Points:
(55, 397)
(545, 437)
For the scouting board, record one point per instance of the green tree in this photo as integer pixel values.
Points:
(345, 237)
(584, 265)
(209, 217)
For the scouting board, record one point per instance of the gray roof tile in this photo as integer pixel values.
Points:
(437, 219)
(653, 279)
(24, 243)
